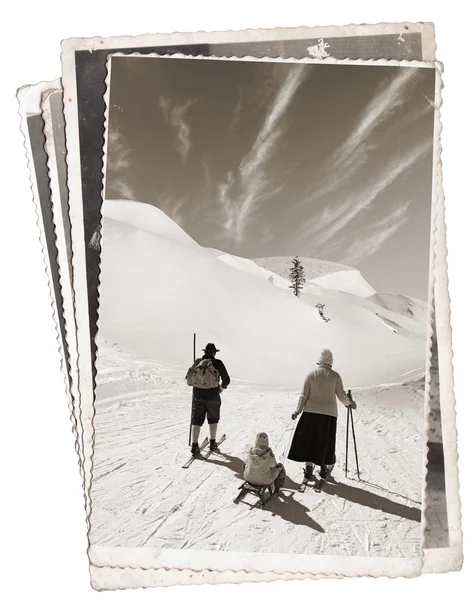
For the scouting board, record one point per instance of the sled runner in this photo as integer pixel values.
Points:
(264, 492)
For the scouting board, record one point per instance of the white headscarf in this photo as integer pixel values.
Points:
(326, 358)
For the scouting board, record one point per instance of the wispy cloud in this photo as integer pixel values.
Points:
(255, 185)
(175, 115)
(123, 190)
(207, 173)
(118, 152)
(267, 235)
(410, 118)
(225, 200)
(118, 163)
(386, 100)
(333, 219)
(379, 232)
(352, 154)
(172, 208)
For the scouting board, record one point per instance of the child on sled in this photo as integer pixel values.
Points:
(261, 467)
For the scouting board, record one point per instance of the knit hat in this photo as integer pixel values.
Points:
(326, 358)
(262, 440)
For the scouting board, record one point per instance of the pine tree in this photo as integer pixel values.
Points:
(296, 275)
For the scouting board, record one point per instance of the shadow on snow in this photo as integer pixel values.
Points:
(371, 500)
(289, 509)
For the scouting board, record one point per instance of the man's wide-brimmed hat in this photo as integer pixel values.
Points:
(210, 348)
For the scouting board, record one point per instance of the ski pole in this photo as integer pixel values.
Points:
(191, 410)
(355, 443)
(285, 455)
(347, 442)
(284, 433)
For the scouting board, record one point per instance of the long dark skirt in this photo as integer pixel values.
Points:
(314, 439)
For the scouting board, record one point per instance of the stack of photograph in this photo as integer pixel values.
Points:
(245, 241)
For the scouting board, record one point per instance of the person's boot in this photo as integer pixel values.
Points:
(213, 436)
(195, 449)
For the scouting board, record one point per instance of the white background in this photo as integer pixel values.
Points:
(42, 525)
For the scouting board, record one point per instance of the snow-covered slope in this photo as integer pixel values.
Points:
(146, 217)
(403, 315)
(330, 275)
(248, 265)
(170, 287)
(349, 280)
(143, 498)
(403, 305)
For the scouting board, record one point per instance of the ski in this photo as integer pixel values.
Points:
(192, 458)
(209, 451)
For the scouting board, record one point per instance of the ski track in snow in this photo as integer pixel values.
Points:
(143, 498)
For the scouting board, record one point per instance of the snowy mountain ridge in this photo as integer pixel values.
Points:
(171, 287)
(324, 274)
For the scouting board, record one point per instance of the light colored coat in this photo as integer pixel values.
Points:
(260, 466)
(320, 390)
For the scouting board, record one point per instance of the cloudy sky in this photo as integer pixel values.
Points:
(275, 159)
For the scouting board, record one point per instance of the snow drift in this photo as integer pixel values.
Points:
(158, 287)
(346, 281)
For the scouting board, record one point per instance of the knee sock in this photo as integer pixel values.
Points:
(195, 433)
(310, 464)
(213, 431)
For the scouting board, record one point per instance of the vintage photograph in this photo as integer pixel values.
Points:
(84, 73)
(263, 323)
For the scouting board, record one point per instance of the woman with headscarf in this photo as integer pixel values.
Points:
(314, 440)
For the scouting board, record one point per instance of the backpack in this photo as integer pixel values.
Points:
(203, 375)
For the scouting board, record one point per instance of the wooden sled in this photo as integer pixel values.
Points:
(264, 492)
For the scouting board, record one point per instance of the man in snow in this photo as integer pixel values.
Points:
(209, 378)
(314, 440)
